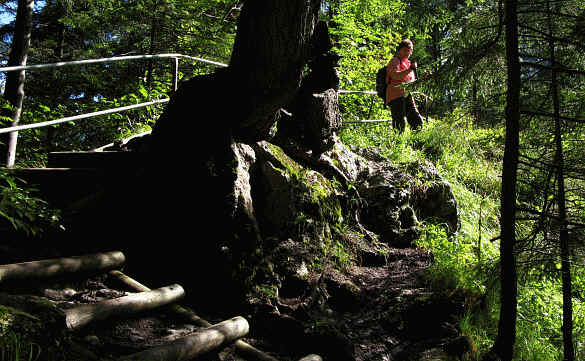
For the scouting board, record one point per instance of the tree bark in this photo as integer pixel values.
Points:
(504, 344)
(271, 48)
(80, 316)
(61, 266)
(14, 89)
(199, 342)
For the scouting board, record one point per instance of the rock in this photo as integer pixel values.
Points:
(433, 200)
(311, 357)
(344, 295)
(432, 315)
(332, 344)
(294, 202)
(92, 340)
(59, 295)
(397, 197)
(459, 346)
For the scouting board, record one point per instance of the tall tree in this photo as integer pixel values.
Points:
(14, 88)
(504, 344)
(569, 351)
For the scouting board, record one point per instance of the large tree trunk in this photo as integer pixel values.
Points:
(14, 90)
(271, 48)
(199, 129)
(504, 344)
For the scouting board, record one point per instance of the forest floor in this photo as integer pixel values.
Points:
(395, 316)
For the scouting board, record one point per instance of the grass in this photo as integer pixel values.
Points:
(12, 348)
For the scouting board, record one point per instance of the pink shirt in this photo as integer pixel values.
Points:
(397, 64)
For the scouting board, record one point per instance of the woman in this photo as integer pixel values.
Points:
(399, 71)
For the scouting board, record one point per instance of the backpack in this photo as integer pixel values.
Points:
(381, 83)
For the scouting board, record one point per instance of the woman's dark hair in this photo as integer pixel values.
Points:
(406, 43)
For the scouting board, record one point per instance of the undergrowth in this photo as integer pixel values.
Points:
(469, 158)
(23, 210)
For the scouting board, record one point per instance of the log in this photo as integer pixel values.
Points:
(61, 266)
(311, 357)
(82, 315)
(242, 347)
(197, 343)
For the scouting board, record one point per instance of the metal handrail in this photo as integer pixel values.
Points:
(125, 108)
(81, 116)
(107, 60)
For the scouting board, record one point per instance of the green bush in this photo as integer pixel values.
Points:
(539, 322)
(24, 211)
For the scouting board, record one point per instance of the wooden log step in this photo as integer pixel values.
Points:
(312, 357)
(80, 316)
(197, 343)
(100, 159)
(247, 350)
(57, 176)
(61, 266)
(60, 186)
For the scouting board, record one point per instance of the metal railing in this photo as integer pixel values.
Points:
(175, 57)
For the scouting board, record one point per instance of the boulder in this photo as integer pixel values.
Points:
(293, 201)
(398, 197)
(432, 197)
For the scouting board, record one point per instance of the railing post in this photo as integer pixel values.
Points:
(176, 78)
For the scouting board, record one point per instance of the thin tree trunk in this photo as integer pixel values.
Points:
(14, 90)
(153, 33)
(567, 328)
(504, 344)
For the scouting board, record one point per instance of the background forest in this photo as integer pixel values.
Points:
(460, 47)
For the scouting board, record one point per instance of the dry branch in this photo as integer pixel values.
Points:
(242, 347)
(82, 315)
(60, 266)
(199, 342)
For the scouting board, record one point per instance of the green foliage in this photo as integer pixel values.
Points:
(364, 34)
(24, 211)
(6, 109)
(454, 261)
(12, 348)
(540, 319)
